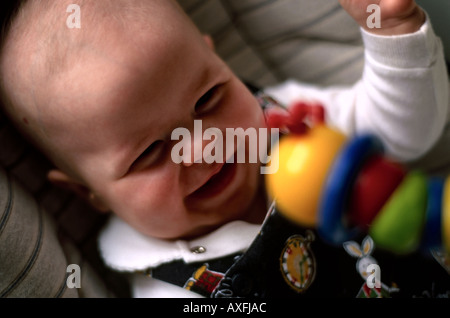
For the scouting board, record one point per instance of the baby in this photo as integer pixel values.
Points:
(102, 101)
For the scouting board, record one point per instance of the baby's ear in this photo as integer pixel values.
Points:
(209, 41)
(62, 180)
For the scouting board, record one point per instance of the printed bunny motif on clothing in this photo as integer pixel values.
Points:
(365, 259)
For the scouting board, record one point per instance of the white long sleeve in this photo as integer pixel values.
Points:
(402, 96)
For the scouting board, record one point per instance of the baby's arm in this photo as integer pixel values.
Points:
(402, 96)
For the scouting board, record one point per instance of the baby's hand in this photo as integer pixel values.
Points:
(397, 16)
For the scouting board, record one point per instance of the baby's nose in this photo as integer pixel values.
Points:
(193, 153)
(206, 148)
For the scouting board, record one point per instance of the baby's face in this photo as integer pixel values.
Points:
(120, 104)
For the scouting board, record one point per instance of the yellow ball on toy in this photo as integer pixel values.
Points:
(304, 161)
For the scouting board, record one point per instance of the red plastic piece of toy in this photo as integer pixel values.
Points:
(373, 187)
(294, 120)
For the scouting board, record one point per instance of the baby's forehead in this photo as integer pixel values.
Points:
(44, 50)
(48, 23)
(47, 48)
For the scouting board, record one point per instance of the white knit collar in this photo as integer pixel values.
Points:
(125, 249)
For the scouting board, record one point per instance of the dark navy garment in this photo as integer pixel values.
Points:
(259, 271)
(263, 270)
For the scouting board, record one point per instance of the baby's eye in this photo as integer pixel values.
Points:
(150, 156)
(208, 101)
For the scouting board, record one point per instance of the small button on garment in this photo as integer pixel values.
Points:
(198, 250)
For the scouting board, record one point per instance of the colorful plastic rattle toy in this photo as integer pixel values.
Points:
(344, 187)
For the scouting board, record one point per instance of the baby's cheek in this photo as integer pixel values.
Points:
(141, 196)
(245, 108)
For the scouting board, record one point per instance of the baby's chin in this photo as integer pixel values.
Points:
(205, 229)
(240, 206)
(199, 231)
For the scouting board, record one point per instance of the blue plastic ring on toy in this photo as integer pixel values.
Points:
(432, 236)
(333, 226)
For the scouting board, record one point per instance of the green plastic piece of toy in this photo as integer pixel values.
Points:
(399, 225)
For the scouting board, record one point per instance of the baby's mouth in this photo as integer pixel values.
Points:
(216, 184)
